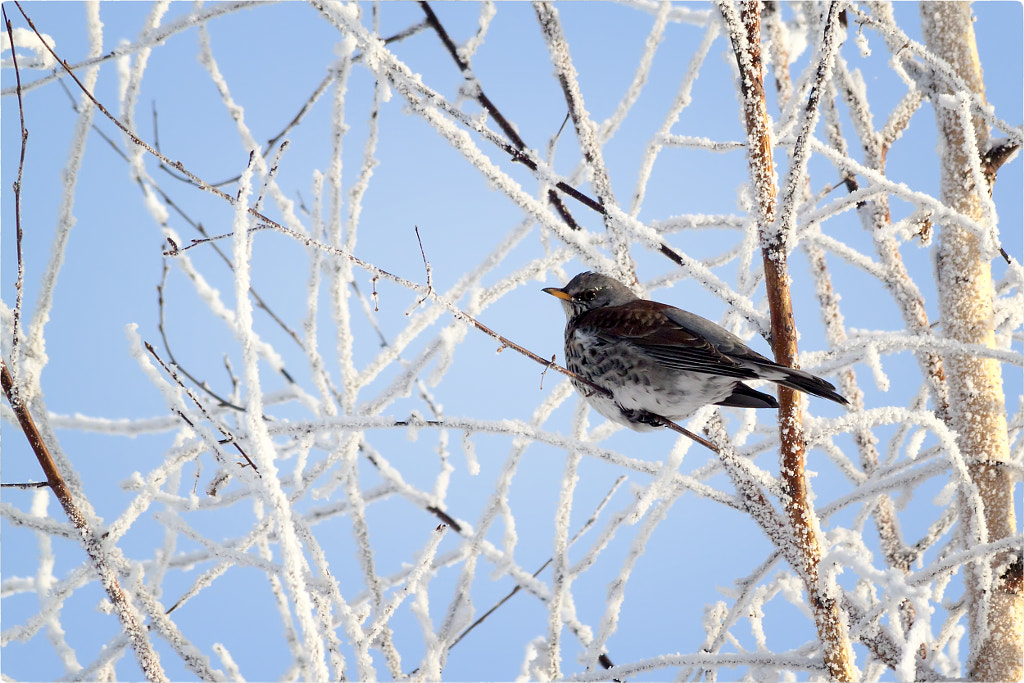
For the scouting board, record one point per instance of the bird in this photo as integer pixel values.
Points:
(652, 361)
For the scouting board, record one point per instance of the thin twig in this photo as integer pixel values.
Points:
(19, 286)
(162, 330)
(489, 106)
(544, 372)
(228, 437)
(604, 659)
(426, 267)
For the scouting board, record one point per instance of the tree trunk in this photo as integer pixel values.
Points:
(977, 405)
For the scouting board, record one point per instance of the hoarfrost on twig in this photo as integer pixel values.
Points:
(298, 456)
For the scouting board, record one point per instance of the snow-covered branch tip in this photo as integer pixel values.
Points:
(19, 285)
(426, 267)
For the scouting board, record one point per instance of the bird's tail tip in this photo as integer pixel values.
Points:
(814, 385)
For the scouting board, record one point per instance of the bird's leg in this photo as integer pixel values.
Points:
(655, 420)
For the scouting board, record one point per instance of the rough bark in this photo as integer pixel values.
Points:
(977, 404)
(127, 613)
(745, 33)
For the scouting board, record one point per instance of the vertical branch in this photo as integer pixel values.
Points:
(561, 579)
(294, 565)
(34, 340)
(977, 405)
(884, 513)
(340, 272)
(745, 34)
(796, 178)
(877, 219)
(894, 549)
(779, 55)
(896, 553)
(19, 285)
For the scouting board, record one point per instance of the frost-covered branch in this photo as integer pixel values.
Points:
(745, 35)
(977, 402)
(377, 405)
(126, 611)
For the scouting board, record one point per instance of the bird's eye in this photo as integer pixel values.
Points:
(588, 295)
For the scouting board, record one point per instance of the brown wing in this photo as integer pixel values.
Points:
(662, 334)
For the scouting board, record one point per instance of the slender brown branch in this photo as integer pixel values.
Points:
(128, 615)
(426, 266)
(19, 285)
(492, 110)
(161, 328)
(679, 429)
(745, 34)
(894, 549)
(228, 437)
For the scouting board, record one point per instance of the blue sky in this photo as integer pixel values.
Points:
(273, 57)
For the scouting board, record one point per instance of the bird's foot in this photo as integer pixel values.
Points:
(644, 417)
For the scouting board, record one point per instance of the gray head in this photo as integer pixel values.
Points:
(588, 291)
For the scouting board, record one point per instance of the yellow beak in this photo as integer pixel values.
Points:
(556, 292)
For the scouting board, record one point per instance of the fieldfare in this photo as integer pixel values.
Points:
(659, 360)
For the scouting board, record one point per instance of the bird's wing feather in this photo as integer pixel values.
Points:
(722, 339)
(680, 340)
(734, 349)
(675, 338)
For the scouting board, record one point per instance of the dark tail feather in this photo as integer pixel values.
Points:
(744, 397)
(809, 384)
